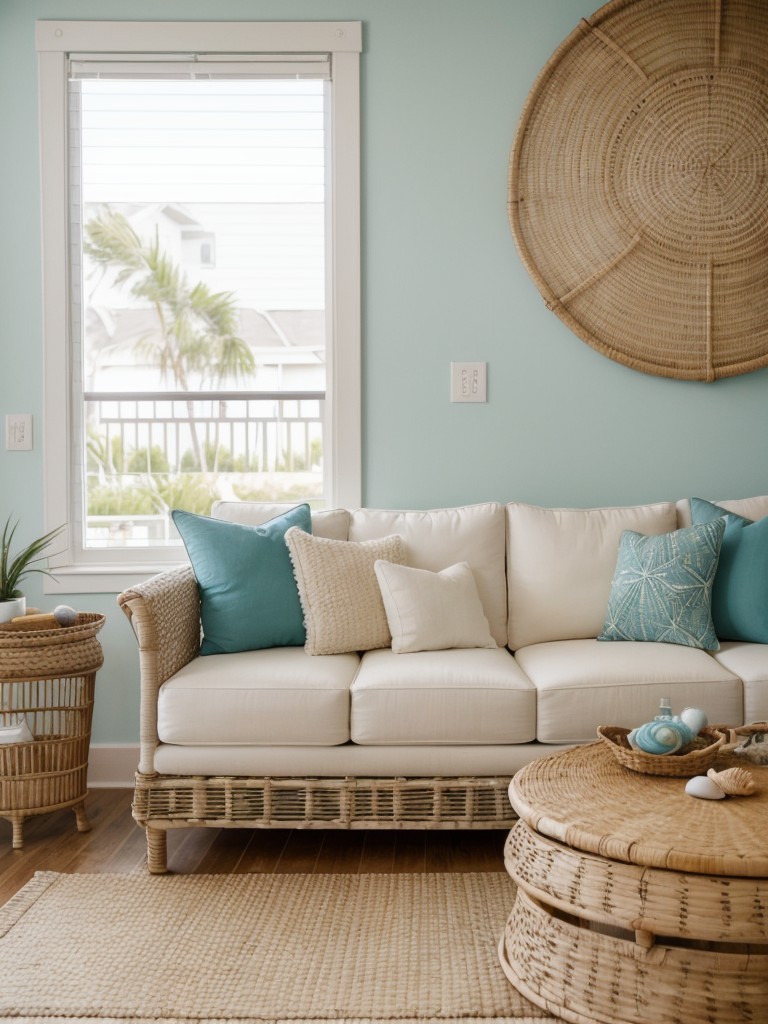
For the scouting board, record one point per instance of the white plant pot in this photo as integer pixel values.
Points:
(10, 609)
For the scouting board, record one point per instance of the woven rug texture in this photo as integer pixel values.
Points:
(266, 948)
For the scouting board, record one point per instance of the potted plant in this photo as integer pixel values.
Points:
(14, 569)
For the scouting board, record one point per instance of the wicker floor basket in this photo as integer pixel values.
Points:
(47, 680)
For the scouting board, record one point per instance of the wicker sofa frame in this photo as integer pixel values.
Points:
(165, 615)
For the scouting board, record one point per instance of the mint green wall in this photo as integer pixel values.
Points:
(443, 84)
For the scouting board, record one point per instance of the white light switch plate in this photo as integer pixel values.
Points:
(18, 432)
(468, 382)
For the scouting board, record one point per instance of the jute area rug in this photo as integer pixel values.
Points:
(258, 948)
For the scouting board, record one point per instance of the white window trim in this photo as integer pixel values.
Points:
(55, 41)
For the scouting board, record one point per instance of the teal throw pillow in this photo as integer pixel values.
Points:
(248, 595)
(740, 593)
(662, 587)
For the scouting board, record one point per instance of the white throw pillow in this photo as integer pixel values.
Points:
(435, 538)
(338, 590)
(432, 611)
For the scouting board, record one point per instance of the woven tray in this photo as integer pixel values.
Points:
(637, 191)
(741, 732)
(693, 759)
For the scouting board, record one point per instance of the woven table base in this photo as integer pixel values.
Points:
(584, 976)
(649, 901)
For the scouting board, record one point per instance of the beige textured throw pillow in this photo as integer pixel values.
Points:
(432, 611)
(339, 593)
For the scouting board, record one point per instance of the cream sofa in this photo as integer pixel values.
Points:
(280, 737)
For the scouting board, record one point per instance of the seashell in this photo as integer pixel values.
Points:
(660, 737)
(754, 748)
(695, 719)
(733, 781)
(704, 788)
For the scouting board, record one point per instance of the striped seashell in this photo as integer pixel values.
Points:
(660, 736)
(733, 781)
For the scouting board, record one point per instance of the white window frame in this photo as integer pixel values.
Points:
(343, 446)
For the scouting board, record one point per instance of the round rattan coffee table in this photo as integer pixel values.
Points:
(636, 902)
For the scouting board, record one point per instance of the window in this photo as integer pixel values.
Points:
(201, 277)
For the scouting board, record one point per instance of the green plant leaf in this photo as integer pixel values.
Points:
(14, 570)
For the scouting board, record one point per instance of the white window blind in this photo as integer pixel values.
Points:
(199, 65)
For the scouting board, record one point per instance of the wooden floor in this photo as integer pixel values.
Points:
(116, 844)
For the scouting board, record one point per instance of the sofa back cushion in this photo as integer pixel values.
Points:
(330, 523)
(439, 538)
(749, 508)
(560, 565)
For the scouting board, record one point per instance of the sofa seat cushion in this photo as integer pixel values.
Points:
(585, 683)
(472, 695)
(279, 695)
(439, 538)
(750, 663)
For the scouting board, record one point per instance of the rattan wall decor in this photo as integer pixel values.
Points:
(638, 185)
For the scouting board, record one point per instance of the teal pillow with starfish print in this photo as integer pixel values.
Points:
(662, 587)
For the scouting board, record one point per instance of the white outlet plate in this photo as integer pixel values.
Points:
(18, 432)
(468, 382)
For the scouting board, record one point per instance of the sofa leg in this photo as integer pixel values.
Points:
(157, 850)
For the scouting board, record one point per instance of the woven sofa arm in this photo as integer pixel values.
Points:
(164, 612)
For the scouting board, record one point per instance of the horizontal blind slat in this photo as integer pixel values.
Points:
(316, 66)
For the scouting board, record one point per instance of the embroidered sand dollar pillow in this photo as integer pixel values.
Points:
(662, 587)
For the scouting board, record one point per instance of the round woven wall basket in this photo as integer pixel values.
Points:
(638, 186)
